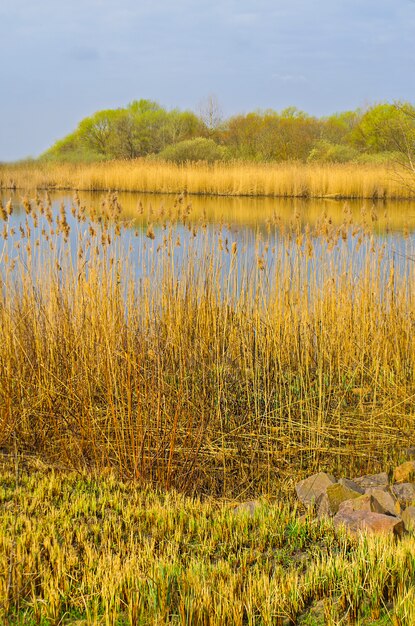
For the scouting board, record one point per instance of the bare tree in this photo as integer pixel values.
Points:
(210, 112)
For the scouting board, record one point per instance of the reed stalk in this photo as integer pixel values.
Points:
(186, 357)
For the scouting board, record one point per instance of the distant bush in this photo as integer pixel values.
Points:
(326, 152)
(143, 128)
(198, 149)
(71, 149)
(78, 155)
(380, 158)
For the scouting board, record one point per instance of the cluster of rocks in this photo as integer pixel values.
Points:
(370, 503)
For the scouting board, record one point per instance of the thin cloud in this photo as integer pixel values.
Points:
(290, 78)
(83, 54)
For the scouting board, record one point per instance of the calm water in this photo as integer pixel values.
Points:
(245, 212)
(260, 228)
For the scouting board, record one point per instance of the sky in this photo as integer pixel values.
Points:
(63, 60)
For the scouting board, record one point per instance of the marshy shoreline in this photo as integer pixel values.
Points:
(156, 371)
(210, 359)
(279, 180)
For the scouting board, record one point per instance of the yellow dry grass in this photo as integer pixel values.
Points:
(82, 549)
(283, 180)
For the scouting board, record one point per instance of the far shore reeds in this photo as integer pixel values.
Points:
(289, 179)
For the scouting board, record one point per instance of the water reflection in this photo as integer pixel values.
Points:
(242, 239)
(382, 216)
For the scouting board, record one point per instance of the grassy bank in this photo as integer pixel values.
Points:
(282, 180)
(82, 549)
(190, 363)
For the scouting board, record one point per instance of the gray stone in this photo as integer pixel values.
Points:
(372, 480)
(317, 612)
(404, 492)
(410, 453)
(323, 506)
(408, 518)
(351, 485)
(367, 521)
(388, 502)
(339, 493)
(385, 489)
(310, 489)
(366, 502)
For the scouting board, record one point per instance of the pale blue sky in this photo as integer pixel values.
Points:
(63, 60)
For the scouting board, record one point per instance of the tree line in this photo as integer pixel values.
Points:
(379, 133)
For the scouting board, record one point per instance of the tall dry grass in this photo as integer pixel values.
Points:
(192, 362)
(282, 180)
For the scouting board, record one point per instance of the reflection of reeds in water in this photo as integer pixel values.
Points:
(234, 179)
(382, 217)
(214, 370)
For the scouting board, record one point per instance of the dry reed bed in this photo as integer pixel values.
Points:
(75, 549)
(282, 180)
(185, 363)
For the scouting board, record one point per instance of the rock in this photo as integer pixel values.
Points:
(387, 501)
(367, 521)
(408, 518)
(410, 453)
(372, 480)
(351, 485)
(339, 493)
(323, 506)
(301, 557)
(247, 508)
(385, 489)
(404, 473)
(317, 612)
(405, 493)
(310, 489)
(362, 503)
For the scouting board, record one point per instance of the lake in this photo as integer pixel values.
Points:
(267, 232)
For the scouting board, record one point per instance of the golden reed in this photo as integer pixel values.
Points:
(197, 362)
(233, 179)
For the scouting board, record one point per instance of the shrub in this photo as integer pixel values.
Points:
(326, 152)
(198, 149)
